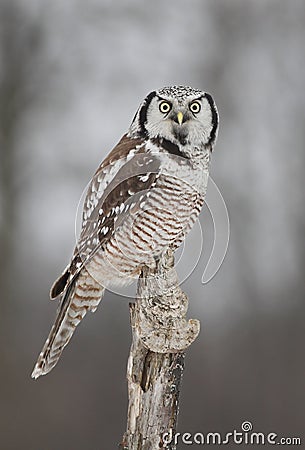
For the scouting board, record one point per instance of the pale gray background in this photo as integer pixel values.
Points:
(72, 74)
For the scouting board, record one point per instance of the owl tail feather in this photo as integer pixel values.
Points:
(81, 295)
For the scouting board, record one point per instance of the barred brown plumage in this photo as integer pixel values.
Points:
(144, 197)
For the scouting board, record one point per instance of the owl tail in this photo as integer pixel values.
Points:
(80, 296)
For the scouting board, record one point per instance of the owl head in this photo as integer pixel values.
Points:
(180, 115)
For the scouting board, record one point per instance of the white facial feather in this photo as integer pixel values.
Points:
(197, 131)
(197, 128)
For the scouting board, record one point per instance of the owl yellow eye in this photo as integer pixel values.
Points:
(165, 107)
(195, 107)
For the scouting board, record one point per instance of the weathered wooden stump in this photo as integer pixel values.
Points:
(160, 336)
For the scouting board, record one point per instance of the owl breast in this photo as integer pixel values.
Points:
(155, 219)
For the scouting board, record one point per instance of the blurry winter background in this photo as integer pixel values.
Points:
(72, 74)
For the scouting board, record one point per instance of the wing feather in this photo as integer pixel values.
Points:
(127, 171)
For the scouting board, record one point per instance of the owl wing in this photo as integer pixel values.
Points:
(122, 177)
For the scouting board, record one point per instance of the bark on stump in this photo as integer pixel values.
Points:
(160, 336)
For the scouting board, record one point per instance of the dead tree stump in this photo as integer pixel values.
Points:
(160, 336)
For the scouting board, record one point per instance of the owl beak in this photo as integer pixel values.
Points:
(180, 117)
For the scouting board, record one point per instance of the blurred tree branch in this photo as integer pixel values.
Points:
(160, 336)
